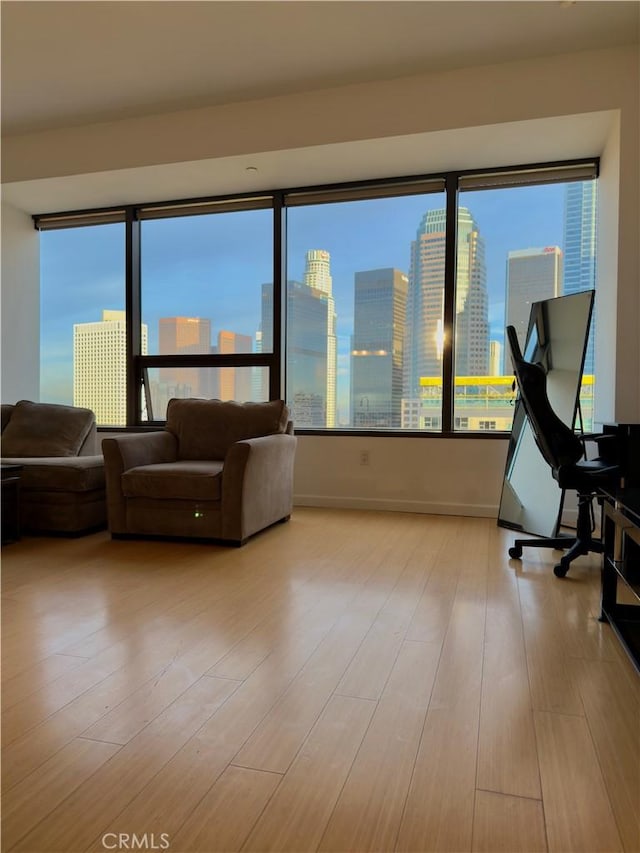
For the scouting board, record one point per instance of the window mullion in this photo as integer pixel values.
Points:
(133, 315)
(450, 258)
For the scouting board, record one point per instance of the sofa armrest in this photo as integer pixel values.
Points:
(257, 484)
(129, 451)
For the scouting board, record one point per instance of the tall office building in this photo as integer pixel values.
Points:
(185, 336)
(99, 367)
(307, 323)
(532, 275)
(317, 276)
(496, 366)
(377, 348)
(425, 304)
(233, 383)
(580, 203)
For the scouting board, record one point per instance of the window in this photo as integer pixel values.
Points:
(516, 245)
(371, 307)
(365, 279)
(202, 283)
(82, 307)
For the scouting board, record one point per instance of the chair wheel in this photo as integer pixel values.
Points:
(515, 552)
(560, 571)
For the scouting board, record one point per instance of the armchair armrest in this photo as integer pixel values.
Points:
(257, 484)
(129, 451)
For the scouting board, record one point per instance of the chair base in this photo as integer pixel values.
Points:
(582, 543)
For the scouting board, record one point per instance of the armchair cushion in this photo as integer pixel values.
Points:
(205, 429)
(45, 429)
(185, 480)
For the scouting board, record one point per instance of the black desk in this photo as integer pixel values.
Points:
(621, 562)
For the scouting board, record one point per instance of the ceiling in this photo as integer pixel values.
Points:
(71, 63)
(74, 63)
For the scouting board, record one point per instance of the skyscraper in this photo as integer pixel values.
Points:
(495, 358)
(317, 276)
(425, 304)
(580, 246)
(99, 367)
(307, 324)
(377, 351)
(183, 336)
(532, 275)
(233, 383)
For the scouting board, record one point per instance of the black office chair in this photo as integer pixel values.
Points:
(564, 451)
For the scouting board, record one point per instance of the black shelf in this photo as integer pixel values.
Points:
(621, 562)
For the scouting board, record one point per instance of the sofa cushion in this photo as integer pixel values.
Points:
(60, 473)
(46, 429)
(185, 480)
(205, 429)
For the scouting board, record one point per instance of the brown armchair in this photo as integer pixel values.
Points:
(219, 470)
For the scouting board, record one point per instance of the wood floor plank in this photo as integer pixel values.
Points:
(31, 680)
(89, 809)
(278, 738)
(507, 755)
(297, 814)
(202, 616)
(438, 813)
(367, 673)
(431, 616)
(369, 810)
(196, 654)
(198, 764)
(584, 636)
(577, 808)
(503, 824)
(224, 818)
(551, 678)
(26, 804)
(613, 713)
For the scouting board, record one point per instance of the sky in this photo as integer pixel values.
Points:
(213, 266)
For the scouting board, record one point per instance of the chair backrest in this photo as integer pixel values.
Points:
(205, 429)
(47, 429)
(557, 442)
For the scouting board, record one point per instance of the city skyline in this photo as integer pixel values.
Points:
(353, 233)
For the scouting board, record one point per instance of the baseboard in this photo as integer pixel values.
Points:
(424, 507)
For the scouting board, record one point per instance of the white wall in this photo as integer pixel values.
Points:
(424, 473)
(438, 475)
(20, 307)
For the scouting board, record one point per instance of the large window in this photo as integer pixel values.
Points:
(365, 284)
(374, 306)
(82, 320)
(202, 282)
(516, 245)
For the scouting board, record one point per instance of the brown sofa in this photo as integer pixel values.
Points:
(62, 484)
(219, 470)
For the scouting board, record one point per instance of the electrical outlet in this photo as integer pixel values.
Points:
(364, 457)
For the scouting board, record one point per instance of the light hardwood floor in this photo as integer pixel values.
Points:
(350, 681)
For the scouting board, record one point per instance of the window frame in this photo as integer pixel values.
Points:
(279, 200)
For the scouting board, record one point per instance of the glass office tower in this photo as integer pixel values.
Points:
(377, 350)
(425, 303)
(580, 247)
(532, 275)
(185, 336)
(308, 311)
(317, 276)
